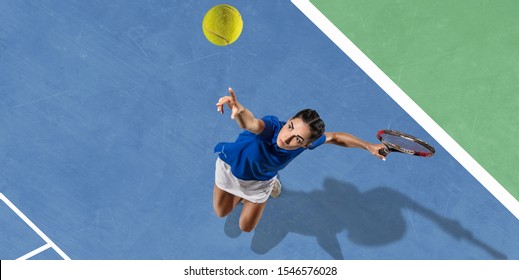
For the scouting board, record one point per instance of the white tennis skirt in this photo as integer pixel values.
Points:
(251, 190)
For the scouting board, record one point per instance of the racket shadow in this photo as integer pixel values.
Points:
(372, 218)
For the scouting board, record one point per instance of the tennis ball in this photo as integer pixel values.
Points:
(222, 25)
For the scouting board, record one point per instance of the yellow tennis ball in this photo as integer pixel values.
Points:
(222, 25)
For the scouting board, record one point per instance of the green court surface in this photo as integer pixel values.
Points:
(458, 60)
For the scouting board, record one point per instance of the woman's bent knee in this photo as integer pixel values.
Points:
(247, 227)
(222, 202)
(221, 212)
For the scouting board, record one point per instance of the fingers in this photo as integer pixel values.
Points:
(229, 100)
(380, 151)
(224, 100)
(233, 95)
(382, 157)
(219, 105)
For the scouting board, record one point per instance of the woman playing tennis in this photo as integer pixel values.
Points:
(246, 170)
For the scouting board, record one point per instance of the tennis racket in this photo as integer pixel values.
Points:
(397, 141)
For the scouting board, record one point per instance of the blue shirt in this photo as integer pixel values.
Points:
(257, 156)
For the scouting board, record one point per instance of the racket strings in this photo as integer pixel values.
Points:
(405, 143)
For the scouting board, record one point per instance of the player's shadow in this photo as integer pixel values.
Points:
(372, 218)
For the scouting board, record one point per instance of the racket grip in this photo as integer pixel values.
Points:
(383, 151)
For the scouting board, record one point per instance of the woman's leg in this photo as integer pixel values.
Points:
(223, 202)
(250, 215)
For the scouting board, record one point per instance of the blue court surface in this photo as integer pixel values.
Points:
(108, 123)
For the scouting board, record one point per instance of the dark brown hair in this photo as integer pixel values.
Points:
(312, 118)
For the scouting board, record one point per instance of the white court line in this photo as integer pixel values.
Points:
(402, 99)
(34, 227)
(34, 252)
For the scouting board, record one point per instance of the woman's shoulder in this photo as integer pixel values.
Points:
(272, 126)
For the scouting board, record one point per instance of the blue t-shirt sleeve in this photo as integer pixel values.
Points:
(271, 124)
(318, 142)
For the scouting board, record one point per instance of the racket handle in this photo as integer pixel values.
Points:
(383, 151)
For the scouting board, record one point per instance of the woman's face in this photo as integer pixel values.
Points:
(294, 134)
